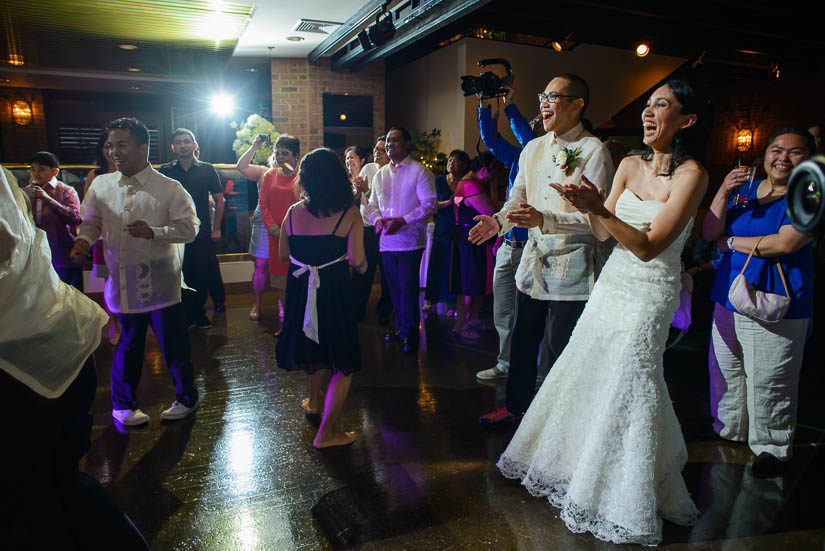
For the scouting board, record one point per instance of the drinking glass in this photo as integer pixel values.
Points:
(740, 198)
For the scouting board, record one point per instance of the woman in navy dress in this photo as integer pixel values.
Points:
(438, 267)
(322, 237)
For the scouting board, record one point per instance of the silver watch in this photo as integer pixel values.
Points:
(730, 242)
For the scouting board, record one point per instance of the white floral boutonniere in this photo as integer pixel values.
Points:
(566, 159)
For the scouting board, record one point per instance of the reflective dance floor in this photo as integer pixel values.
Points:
(241, 474)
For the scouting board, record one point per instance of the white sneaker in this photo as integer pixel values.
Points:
(178, 411)
(491, 374)
(130, 417)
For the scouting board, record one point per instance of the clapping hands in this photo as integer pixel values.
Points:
(586, 197)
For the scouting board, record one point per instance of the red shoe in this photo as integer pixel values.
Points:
(498, 418)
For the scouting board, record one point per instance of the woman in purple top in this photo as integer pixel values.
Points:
(754, 366)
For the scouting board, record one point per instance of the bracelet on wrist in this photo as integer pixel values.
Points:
(729, 242)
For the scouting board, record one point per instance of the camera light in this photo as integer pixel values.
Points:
(642, 49)
(222, 104)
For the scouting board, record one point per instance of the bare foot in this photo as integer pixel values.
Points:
(253, 314)
(334, 439)
(305, 404)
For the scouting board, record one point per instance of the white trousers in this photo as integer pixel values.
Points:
(754, 380)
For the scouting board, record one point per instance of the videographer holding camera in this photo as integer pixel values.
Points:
(511, 245)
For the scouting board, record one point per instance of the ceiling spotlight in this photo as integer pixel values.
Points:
(127, 46)
(642, 49)
(222, 104)
(566, 44)
(133, 70)
(295, 38)
(342, 116)
(383, 29)
(251, 70)
(134, 87)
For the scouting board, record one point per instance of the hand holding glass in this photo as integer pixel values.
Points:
(740, 198)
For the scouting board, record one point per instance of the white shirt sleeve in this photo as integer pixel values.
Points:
(427, 198)
(183, 219)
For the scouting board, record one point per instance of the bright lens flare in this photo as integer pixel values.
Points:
(222, 104)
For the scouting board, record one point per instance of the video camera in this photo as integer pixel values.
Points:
(806, 189)
(487, 84)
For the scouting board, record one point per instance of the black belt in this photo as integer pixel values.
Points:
(516, 244)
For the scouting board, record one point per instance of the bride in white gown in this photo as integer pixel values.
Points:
(601, 440)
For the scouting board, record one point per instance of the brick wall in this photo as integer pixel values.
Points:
(297, 96)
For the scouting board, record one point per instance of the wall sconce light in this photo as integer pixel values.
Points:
(744, 140)
(21, 112)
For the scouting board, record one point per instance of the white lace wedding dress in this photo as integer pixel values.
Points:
(601, 440)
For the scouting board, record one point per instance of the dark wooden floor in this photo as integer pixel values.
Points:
(241, 474)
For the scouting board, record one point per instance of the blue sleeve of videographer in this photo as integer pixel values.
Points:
(519, 125)
(504, 151)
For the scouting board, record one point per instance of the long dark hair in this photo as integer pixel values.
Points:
(691, 142)
(100, 159)
(325, 182)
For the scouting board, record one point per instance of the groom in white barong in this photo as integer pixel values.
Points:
(557, 269)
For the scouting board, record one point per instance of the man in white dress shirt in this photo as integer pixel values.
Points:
(557, 268)
(144, 218)
(402, 199)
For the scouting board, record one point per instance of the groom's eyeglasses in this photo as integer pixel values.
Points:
(552, 97)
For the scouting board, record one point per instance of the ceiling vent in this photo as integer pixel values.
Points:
(315, 26)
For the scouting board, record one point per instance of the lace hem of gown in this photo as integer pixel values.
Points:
(577, 518)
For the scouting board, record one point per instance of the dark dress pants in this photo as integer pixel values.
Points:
(362, 284)
(527, 335)
(197, 257)
(402, 279)
(169, 324)
(384, 306)
(216, 287)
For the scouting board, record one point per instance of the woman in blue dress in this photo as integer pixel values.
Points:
(438, 268)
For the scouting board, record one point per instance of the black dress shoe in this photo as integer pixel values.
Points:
(766, 465)
(410, 346)
(393, 337)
